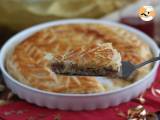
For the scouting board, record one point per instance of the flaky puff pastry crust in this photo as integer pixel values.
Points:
(30, 61)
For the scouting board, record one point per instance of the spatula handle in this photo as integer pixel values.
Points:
(147, 62)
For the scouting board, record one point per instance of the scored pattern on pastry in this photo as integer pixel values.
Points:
(96, 55)
(31, 60)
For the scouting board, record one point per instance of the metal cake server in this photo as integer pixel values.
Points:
(128, 68)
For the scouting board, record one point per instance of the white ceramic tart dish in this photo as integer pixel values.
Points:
(81, 100)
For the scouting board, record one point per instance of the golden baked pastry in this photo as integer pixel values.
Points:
(30, 61)
(99, 59)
